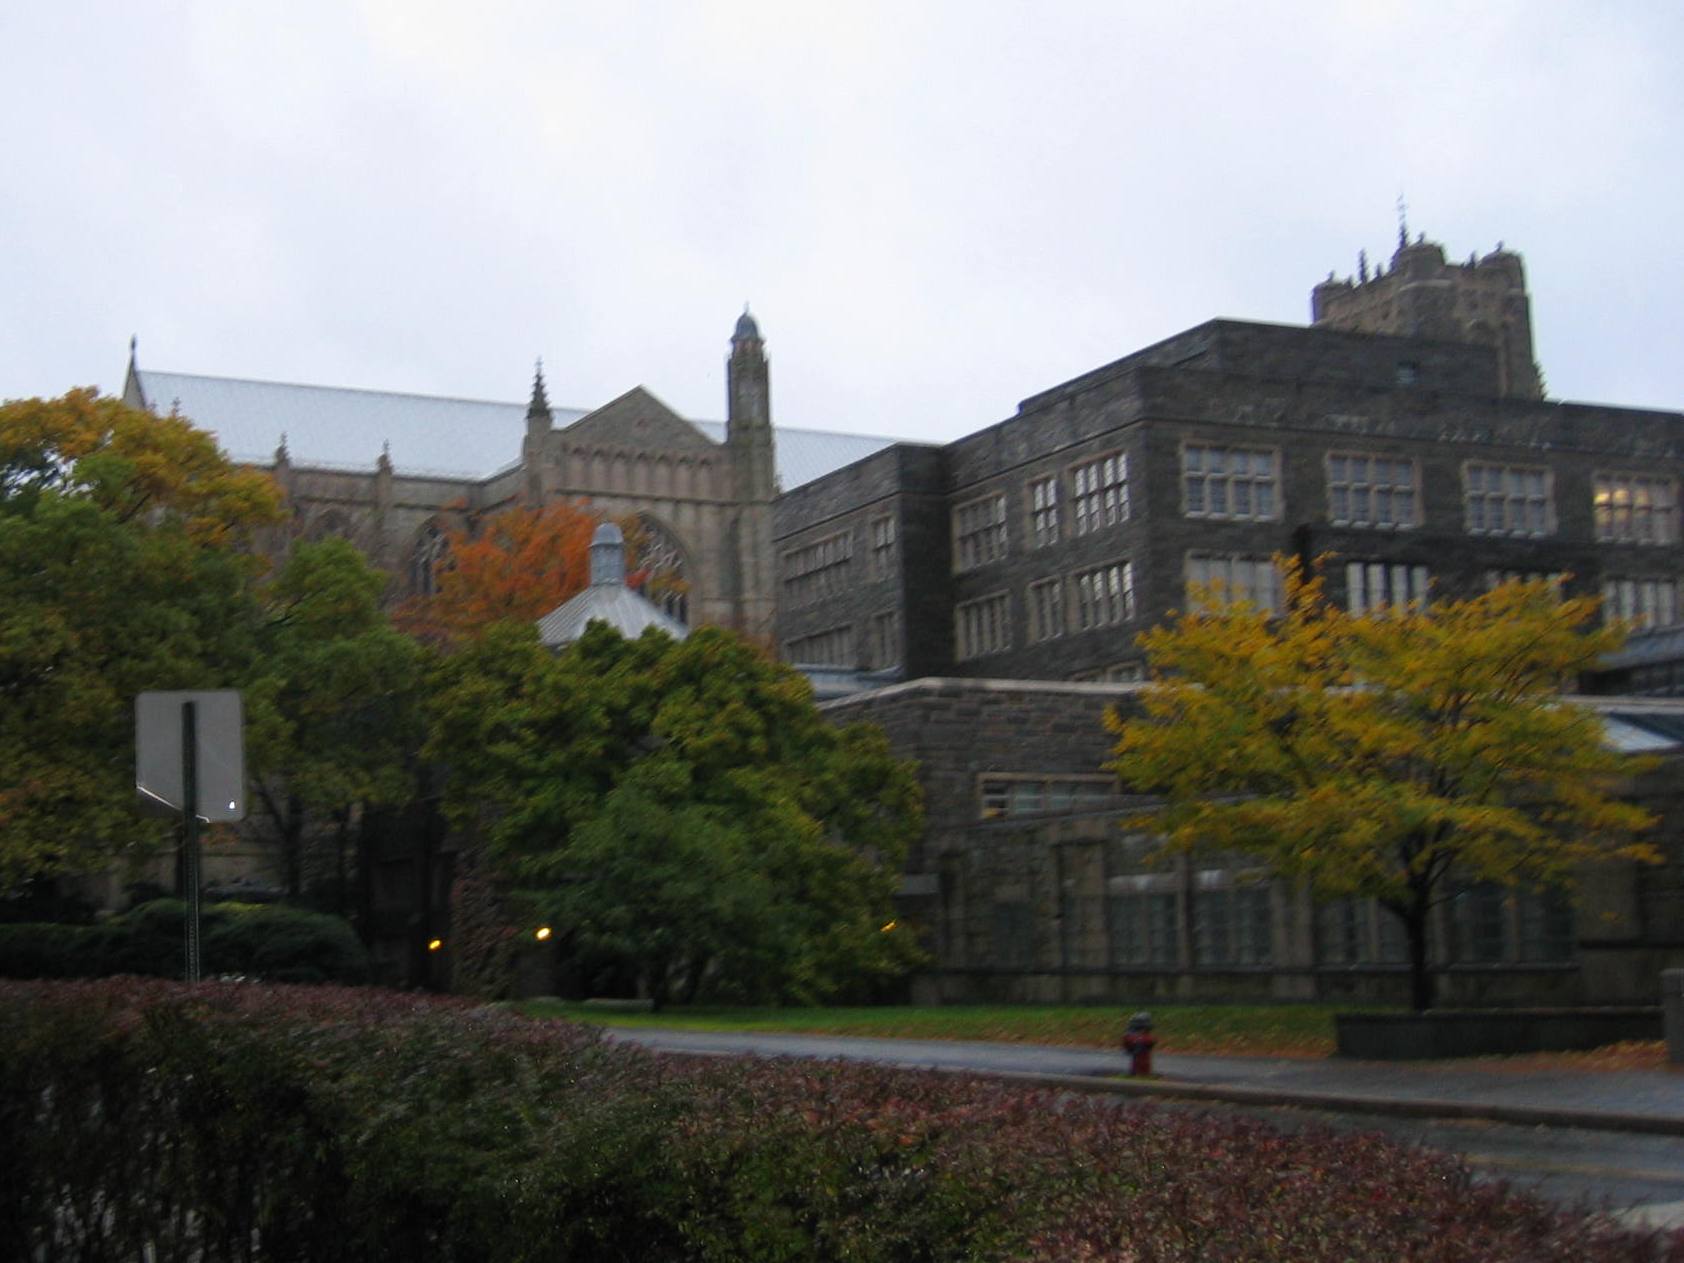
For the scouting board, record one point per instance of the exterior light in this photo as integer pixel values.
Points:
(433, 944)
(890, 926)
(541, 933)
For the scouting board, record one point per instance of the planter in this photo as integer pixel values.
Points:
(1486, 1032)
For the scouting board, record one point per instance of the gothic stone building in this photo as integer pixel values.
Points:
(1003, 578)
(702, 490)
(1404, 436)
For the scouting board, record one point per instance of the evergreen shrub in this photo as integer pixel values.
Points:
(259, 941)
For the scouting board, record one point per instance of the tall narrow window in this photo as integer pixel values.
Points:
(1100, 492)
(979, 532)
(885, 640)
(1046, 609)
(1378, 585)
(1104, 596)
(1215, 580)
(1043, 511)
(983, 626)
(882, 547)
(1643, 602)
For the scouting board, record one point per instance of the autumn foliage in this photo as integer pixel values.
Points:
(517, 565)
(1387, 755)
(229, 1122)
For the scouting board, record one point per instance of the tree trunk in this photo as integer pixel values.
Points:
(292, 847)
(1420, 975)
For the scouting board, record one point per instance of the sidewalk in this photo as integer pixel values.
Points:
(1611, 1100)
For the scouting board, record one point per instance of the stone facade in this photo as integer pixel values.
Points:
(1030, 886)
(704, 508)
(1482, 301)
(1124, 478)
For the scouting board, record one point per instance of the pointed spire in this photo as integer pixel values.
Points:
(746, 327)
(282, 456)
(540, 405)
(384, 465)
(1402, 222)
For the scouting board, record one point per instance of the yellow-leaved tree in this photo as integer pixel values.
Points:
(1384, 755)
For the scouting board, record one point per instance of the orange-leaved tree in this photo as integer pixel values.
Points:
(1386, 755)
(515, 565)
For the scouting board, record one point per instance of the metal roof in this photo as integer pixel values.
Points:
(613, 603)
(338, 427)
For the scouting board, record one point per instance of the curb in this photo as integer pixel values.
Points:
(1340, 1103)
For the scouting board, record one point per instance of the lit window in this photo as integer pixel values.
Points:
(1215, 580)
(1229, 482)
(1634, 509)
(983, 626)
(979, 532)
(1508, 499)
(1376, 491)
(1043, 511)
(1100, 492)
(1379, 585)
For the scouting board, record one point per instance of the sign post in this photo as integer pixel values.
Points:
(190, 759)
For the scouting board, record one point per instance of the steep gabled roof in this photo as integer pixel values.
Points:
(342, 428)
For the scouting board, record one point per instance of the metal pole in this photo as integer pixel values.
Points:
(190, 830)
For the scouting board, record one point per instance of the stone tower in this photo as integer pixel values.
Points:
(748, 436)
(1482, 301)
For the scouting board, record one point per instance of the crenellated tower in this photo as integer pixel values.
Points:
(748, 436)
(1483, 301)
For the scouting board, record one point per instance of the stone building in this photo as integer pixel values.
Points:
(1039, 547)
(393, 471)
(1031, 886)
(1404, 438)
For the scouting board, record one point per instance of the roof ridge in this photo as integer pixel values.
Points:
(354, 390)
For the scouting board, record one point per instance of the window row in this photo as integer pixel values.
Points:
(824, 567)
(1231, 483)
(1086, 600)
(1225, 920)
(879, 648)
(818, 569)
(1085, 498)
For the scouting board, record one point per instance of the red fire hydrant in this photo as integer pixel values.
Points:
(1138, 1041)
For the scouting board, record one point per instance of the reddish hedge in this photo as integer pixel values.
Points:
(237, 1121)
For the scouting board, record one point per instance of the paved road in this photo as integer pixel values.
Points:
(1615, 1164)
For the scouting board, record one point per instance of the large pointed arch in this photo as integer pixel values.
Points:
(658, 564)
(426, 555)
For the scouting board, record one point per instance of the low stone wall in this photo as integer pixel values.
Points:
(1489, 1032)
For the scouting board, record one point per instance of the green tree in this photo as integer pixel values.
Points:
(121, 569)
(1385, 755)
(681, 808)
(332, 703)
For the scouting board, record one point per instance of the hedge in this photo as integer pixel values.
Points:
(227, 1121)
(252, 940)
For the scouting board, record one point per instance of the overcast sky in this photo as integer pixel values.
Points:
(935, 209)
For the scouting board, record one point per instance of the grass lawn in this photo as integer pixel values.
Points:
(1293, 1030)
